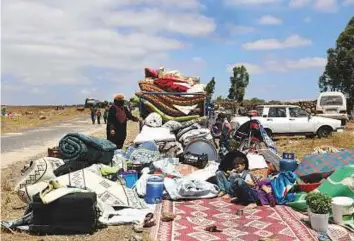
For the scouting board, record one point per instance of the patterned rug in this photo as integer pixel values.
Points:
(280, 223)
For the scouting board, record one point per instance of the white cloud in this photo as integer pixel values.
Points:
(249, 2)
(326, 5)
(60, 42)
(278, 65)
(299, 3)
(307, 20)
(251, 68)
(88, 91)
(239, 29)
(265, 44)
(319, 5)
(269, 20)
(348, 2)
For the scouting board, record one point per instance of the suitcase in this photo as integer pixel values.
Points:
(75, 213)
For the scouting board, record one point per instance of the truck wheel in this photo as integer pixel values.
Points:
(324, 132)
(343, 122)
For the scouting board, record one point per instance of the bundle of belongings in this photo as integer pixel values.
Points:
(93, 184)
(171, 107)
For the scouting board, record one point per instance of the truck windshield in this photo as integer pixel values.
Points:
(331, 100)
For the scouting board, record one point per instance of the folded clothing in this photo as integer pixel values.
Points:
(156, 134)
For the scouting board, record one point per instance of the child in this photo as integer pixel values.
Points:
(234, 180)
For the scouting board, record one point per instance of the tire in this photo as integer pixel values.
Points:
(343, 122)
(324, 132)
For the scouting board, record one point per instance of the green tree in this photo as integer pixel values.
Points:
(210, 87)
(219, 98)
(339, 71)
(239, 82)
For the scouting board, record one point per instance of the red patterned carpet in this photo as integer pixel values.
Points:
(281, 223)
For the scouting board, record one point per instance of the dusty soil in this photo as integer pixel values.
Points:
(26, 117)
(12, 207)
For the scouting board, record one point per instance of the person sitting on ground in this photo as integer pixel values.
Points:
(235, 181)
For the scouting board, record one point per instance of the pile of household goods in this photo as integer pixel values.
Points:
(92, 184)
(171, 107)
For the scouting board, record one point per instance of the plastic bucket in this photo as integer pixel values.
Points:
(341, 206)
(319, 222)
(130, 178)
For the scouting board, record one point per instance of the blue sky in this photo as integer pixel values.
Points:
(60, 52)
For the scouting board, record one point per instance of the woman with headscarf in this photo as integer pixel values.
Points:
(118, 115)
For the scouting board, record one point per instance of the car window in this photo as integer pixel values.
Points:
(297, 112)
(277, 112)
(331, 100)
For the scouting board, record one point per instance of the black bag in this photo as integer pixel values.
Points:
(196, 160)
(75, 213)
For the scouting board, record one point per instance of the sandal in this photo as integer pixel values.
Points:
(212, 229)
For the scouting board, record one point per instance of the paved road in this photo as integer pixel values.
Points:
(19, 146)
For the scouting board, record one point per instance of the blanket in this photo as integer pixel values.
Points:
(168, 100)
(313, 168)
(340, 183)
(168, 84)
(281, 185)
(177, 99)
(168, 117)
(190, 188)
(156, 134)
(80, 147)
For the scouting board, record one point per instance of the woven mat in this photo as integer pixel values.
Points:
(280, 223)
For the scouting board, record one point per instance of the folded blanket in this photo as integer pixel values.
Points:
(186, 109)
(170, 85)
(156, 134)
(168, 117)
(190, 188)
(167, 109)
(168, 100)
(315, 167)
(79, 147)
(179, 100)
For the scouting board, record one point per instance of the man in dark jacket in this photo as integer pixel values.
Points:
(118, 116)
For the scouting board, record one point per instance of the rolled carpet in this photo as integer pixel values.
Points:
(169, 110)
(167, 99)
(168, 117)
(150, 87)
(79, 147)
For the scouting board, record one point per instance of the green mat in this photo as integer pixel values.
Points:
(340, 183)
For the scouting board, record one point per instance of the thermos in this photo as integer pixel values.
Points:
(154, 190)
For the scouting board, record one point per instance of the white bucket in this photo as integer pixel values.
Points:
(319, 222)
(341, 206)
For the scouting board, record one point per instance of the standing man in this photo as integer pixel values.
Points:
(93, 114)
(118, 116)
(105, 114)
(98, 113)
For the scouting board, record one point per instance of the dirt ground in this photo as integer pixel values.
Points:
(25, 117)
(12, 207)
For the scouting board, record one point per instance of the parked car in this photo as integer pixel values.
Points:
(332, 105)
(291, 120)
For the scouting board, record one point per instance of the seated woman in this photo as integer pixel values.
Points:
(234, 180)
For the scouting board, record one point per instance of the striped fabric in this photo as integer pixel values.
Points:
(315, 167)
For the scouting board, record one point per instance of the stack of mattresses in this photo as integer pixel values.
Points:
(171, 107)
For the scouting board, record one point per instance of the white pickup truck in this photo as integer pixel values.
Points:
(291, 120)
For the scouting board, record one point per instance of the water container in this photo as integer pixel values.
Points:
(154, 190)
(130, 178)
(288, 163)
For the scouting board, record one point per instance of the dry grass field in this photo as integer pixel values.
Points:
(25, 117)
(12, 207)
